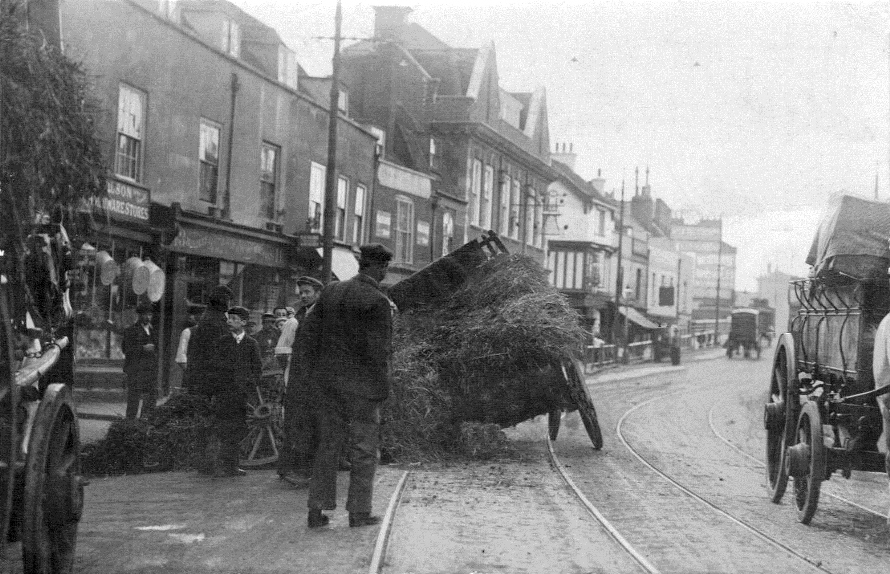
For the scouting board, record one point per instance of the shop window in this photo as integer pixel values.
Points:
(269, 180)
(358, 217)
(340, 218)
(208, 154)
(316, 197)
(130, 132)
(404, 230)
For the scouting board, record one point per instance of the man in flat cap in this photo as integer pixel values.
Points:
(239, 369)
(300, 428)
(201, 356)
(347, 339)
(267, 337)
(140, 344)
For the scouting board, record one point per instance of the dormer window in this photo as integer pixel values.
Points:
(287, 66)
(231, 38)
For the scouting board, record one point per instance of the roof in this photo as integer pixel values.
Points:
(569, 176)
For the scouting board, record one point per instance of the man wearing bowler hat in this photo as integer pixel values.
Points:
(348, 340)
(239, 369)
(140, 344)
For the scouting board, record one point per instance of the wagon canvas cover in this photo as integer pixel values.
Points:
(852, 239)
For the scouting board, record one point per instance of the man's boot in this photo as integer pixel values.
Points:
(363, 519)
(316, 519)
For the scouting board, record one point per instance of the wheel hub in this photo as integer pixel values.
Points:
(797, 460)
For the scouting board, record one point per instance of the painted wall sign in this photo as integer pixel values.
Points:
(123, 202)
(229, 247)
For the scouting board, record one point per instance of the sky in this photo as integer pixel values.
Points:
(754, 111)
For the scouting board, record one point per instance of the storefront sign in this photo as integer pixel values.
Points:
(228, 247)
(123, 202)
(308, 239)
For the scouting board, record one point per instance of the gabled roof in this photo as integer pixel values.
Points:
(574, 180)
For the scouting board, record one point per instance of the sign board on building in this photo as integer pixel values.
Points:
(404, 180)
(695, 233)
(308, 240)
(124, 202)
(205, 242)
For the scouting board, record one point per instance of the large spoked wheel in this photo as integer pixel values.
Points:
(572, 371)
(554, 419)
(806, 462)
(53, 488)
(780, 419)
(265, 420)
(9, 399)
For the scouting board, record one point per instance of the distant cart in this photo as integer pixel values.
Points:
(745, 332)
(447, 274)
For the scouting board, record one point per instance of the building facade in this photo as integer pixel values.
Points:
(217, 162)
(439, 111)
(581, 241)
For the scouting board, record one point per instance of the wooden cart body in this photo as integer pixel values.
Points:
(744, 332)
(41, 490)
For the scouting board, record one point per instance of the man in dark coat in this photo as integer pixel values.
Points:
(140, 344)
(239, 369)
(348, 346)
(300, 428)
(201, 352)
(201, 356)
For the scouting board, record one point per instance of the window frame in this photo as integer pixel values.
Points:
(317, 175)
(273, 203)
(485, 207)
(475, 190)
(135, 141)
(340, 207)
(404, 237)
(358, 213)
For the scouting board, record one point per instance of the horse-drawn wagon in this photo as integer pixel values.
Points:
(744, 333)
(41, 491)
(822, 413)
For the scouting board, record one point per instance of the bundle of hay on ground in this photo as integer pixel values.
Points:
(489, 353)
(168, 439)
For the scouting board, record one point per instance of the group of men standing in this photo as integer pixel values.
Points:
(336, 353)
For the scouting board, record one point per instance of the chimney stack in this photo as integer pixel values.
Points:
(564, 154)
(389, 21)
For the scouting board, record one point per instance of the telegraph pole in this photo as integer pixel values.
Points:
(619, 280)
(330, 189)
(719, 263)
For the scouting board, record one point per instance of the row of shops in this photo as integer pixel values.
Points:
(132, 245)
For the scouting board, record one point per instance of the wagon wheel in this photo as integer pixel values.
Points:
(53, 489)
(571, 370)
(265, 415)
(554, 419)
(806, 462)
(779, 420)
(9, 399)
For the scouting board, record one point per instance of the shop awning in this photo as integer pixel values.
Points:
(637, 317)
(343, 263)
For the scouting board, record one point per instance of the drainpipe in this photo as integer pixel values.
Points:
(227, 197)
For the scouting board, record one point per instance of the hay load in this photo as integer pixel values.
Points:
(488, 353)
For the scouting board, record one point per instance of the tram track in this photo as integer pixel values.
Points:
(758, 533)
(760, 463)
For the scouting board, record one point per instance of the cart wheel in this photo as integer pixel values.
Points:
(806, 462)
(554, 418)
(571, 370)
(780, 420)
(53, 489)
(265, 416)
(9, 418)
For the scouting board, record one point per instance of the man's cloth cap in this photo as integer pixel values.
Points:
(306, 280)
(221, 292)
(240, 311)
(268, 316)
(375, 252)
